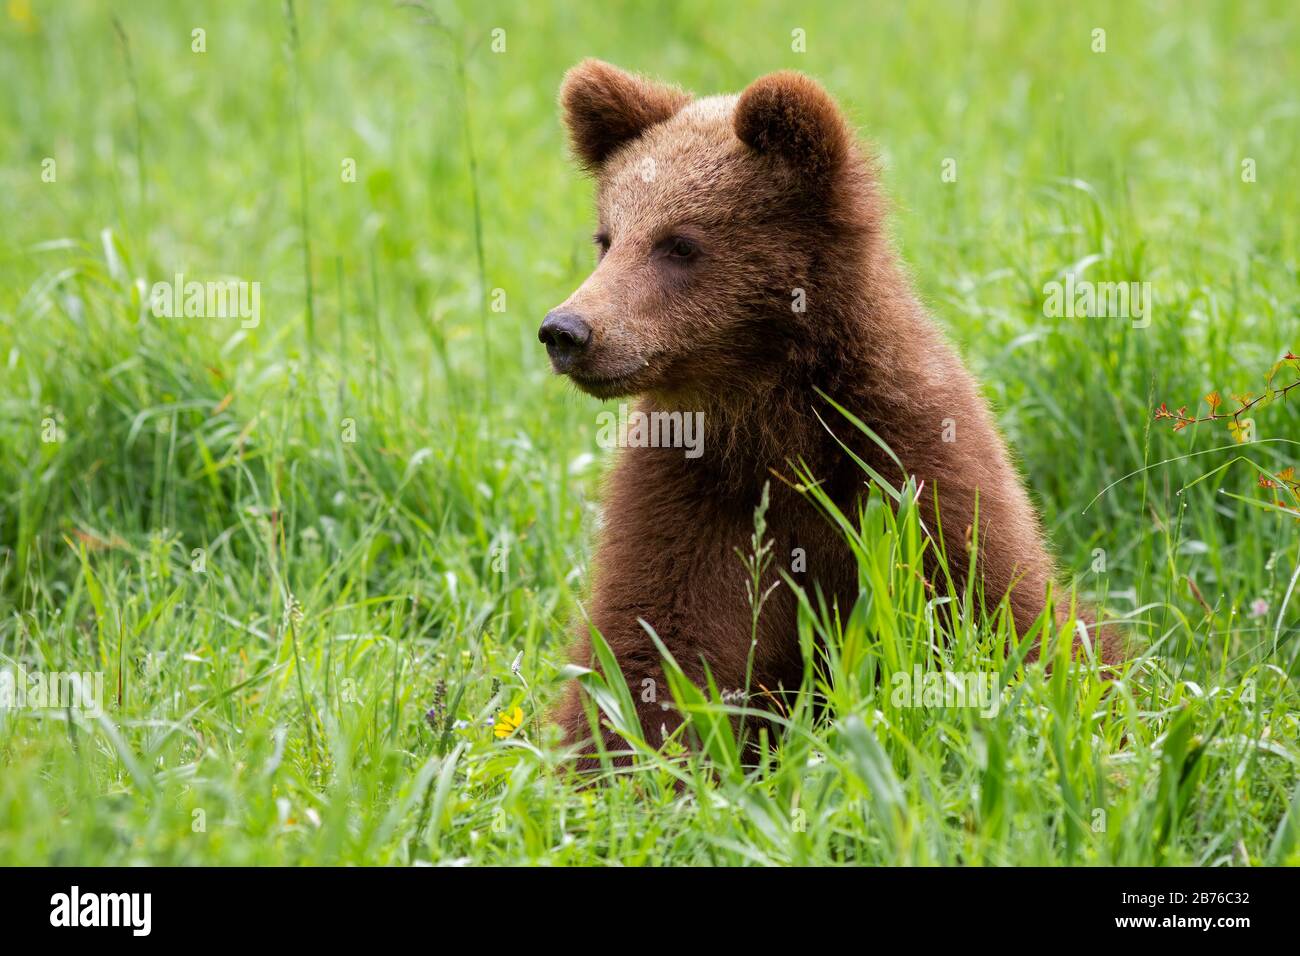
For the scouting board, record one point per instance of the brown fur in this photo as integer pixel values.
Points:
(773, 190)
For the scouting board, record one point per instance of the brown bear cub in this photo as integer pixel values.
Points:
(744, 266)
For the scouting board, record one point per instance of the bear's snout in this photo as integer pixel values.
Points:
(565, 335)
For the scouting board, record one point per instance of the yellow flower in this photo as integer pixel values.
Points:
(508, 723)
(20, 12)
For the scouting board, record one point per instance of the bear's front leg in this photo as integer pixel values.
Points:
(657, 715)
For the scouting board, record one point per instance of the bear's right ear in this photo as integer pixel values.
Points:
(791, 116)
(605, 107)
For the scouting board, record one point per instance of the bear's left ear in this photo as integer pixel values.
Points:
(792, 116)
(605, 107)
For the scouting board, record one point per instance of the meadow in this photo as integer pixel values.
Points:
(323, 560)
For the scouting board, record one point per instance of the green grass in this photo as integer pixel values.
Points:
(270, 708)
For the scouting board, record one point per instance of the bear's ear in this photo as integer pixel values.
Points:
(792, 116)
(605, 107)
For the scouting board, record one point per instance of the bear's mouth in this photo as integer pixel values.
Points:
(600, 384)
(604, 386)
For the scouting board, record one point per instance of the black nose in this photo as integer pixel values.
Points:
(565, 335)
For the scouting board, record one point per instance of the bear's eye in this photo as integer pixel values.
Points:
(678, 248)
(602, 244)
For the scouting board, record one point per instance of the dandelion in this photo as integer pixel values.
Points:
(20, 12)
(508, 723)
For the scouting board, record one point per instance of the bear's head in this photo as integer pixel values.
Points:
(724, 227)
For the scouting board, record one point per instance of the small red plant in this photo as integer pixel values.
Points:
(1242, 431)
(1245, 402)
